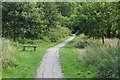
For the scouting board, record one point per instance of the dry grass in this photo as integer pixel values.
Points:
(104, 57)
(112, 42)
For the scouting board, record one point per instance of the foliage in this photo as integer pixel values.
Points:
(104, 57)
(52, 36)
(57, 33)
(9, 55)
(41, 23)
(35, 20)
(97, 19)
(29, 20)
(81, 44)
(66, 8)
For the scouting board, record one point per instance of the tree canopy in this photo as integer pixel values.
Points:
(35, 20)
(97, 19)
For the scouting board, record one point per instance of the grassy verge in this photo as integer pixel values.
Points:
(86, 57)
(72, 66)
(27, 62)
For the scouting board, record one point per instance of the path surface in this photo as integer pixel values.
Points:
(50, 65)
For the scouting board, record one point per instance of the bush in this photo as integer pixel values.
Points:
(104, 57)
(46, 39)
(57, 33)
(53, 35)
(9, 54)
(30, 41)
(82, 36)
(81, 44)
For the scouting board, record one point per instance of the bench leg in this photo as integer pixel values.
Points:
(24, 48)
(34, 48)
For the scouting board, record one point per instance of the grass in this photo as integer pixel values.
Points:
(28, 61)
(85, 57)
(72, 66)
(0, 59)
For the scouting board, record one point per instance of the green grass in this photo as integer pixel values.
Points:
(28, 61)
(71, 64)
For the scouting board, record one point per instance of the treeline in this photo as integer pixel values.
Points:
(36, 20)
(97, 20)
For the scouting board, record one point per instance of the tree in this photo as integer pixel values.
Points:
(66, 8)
(29, 20)
(94, 19)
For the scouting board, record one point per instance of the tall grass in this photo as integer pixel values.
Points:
(103, 57)
(9, 54)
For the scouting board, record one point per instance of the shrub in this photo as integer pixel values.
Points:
(9, 54)
(81, 44)
(30, 41)
(57, 33)
(104, 57)
(46, 39)
(21, 40)
(82, 36)
(53, 35)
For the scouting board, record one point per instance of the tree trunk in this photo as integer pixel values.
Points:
(114, 32)
(8, 35)
(14, 29)
(109, 33)
(103, 39)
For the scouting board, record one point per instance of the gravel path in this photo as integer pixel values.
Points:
(50, 65)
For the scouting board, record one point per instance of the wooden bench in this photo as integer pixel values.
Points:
(24, 46)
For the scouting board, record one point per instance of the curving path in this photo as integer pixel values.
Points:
(50, 65)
